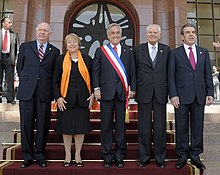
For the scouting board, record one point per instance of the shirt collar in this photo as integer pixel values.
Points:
(187, 46)
(150, 46)
(116, 45)
(45, 44)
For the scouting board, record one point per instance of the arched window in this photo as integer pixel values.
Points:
(91, 21)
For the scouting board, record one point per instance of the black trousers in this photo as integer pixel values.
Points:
(189, 117)
(152, 128)
(7, 68)
(34, 113)
(109, 109)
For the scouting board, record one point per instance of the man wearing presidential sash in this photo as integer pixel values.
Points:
(113, 75)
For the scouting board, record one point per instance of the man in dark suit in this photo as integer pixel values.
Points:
(35, 69)
(190, 89)
(9, 44)
(113, 73)
(152, 95)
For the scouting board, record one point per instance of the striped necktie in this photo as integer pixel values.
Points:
(41, 53)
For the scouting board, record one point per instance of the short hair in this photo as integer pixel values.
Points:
(74, 37)
(187, 25)
(49, 26)
(112, 25)
(154, 25)
(3, 19)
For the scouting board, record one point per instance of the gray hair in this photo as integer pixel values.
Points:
(154, 25)
(112, 25)
(44, 23)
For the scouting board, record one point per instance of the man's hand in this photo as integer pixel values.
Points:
(175, 102)
(97, 93)
(216, 44)
(131, 94)
(209, 100)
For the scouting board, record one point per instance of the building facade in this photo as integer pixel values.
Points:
(89, 19)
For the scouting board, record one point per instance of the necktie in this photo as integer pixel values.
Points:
(153, 53)
(115, 48)
(5, 42)
(41, 53)
(192, 58)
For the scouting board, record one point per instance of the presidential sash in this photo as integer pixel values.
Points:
(117, 64)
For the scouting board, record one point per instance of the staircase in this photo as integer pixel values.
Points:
(11, 154)
(211, 138)
(212, 141)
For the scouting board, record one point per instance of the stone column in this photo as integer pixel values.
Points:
(29, 13)
(170, 15)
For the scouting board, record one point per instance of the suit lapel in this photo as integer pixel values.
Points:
(146, 54)
(1, 39)
(199, 55)
(11, 36)
(48, 50)
(184, 56)
(34, 47)
(123, 53)
(159, 55)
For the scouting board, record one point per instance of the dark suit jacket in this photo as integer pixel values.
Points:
(14, 46)
(105, 76)
(151, 80)
(78, 89)
(186, 83)
(32, 72)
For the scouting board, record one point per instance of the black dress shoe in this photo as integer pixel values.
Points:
(161, 164)
(119, 163)
(198, 164)
(42, 163)
(12, 102)
(26, 163)
(107, 164)
(141, 164)
(180, 164)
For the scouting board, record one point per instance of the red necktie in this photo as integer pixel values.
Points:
(115, 49)
(41, 53)
(192, 58)
(5, 42)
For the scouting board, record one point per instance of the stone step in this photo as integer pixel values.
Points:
(212, 127)
(7, 137)
(211, 153)
(9, 107)
(211, 138)
(9, 126)
(208, 126)
(209, 117)
(9, 116)
(212, 168)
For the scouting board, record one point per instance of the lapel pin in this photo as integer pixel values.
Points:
(161, 51)
(200, 53)
(50, 49)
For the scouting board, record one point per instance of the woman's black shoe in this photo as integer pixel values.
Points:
(78, 164)
(67, 164)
